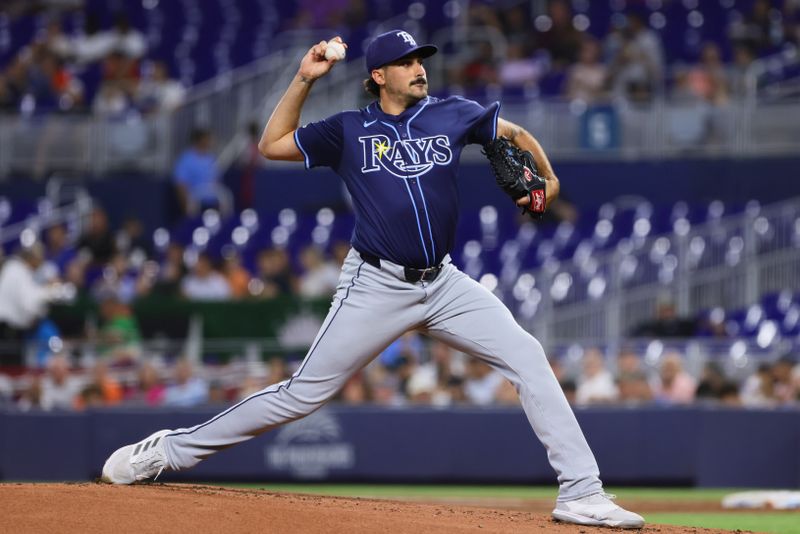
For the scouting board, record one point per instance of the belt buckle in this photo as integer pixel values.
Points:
(429, 274)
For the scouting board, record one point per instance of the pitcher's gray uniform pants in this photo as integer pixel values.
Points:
(371, 308)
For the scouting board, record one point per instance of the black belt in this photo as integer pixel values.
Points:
(411, 274)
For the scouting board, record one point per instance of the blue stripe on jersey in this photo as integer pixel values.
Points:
(413, 202)
(408, 124)
(286, 384)
(305, 155)
(419, 226)
(425, 207)
(494, 123)
(419, 182)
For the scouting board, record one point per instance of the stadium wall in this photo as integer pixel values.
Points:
(694, 446)
(586, 183)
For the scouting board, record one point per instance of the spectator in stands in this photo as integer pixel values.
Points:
(356, 390)
(791, 22)
(481, 14)
(131, 238)
(421, 387)
(149, 387)
(595, 384)
(237, 276)
(112, 101)
(675, 385)
(278, 370)
(339, 251)
(518, 69)
(482, 383)
(204, 282)
(666, 323)
(93, 44)
(713, 383)
(195, 174)
(158, 92)
(739, 72)
(385, 386)
(59, 389)
(103, 390)
(320, 275)
(56, 41)
(561, 40)
(707, 80)
(760, 29)
(127, 39)
(120, 281)
(171, 271)
(407, 347)
(23, 301)
(250, 161)
(14, 84)
(480, 70)
(257, 378)
(275, 273)
(507, 395)
(97, 238)
(52, 85)
(31, 396)
(758, 390)
(586, 79)
(729, 395)
(6, 390)
(58, 249)
(119, 339)
(186, 389)
(785, 388)
(8, 102)
(516, 26)
(637, 67)
(631, 379)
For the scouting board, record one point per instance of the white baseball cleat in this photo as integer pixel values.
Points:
(597, 510)
(138, 462)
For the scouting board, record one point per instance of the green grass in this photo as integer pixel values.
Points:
(775, 522)
(494, 492)
(779, 523)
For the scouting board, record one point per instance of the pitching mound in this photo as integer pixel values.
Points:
(99, 508)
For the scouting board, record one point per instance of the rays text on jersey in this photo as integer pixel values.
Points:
(404, 158)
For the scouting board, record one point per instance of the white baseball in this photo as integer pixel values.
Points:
(334, 50)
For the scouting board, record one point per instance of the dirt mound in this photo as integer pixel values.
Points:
(99, 508)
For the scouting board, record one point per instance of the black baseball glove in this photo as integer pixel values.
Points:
(516, 173)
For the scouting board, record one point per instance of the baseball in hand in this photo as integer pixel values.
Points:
(334, 50)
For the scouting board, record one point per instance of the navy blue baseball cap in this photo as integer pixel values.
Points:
(393, 45)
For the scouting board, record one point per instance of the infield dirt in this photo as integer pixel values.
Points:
(99, 508)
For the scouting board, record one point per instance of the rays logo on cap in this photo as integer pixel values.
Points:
(407, 38)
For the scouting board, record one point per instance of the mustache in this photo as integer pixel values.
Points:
(420, 81)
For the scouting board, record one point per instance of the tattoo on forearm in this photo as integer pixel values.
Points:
(305, 80)
(513, 133)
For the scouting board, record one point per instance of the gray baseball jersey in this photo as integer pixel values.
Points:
(402, 174)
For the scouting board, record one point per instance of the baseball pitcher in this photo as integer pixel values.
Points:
(399, 159)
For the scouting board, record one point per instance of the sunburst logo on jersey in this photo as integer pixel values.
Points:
(381, 148)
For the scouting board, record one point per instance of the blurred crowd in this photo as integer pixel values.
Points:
(413, 371)
(103, 71)
(513, 52)
(556, 54)
(116, 268)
